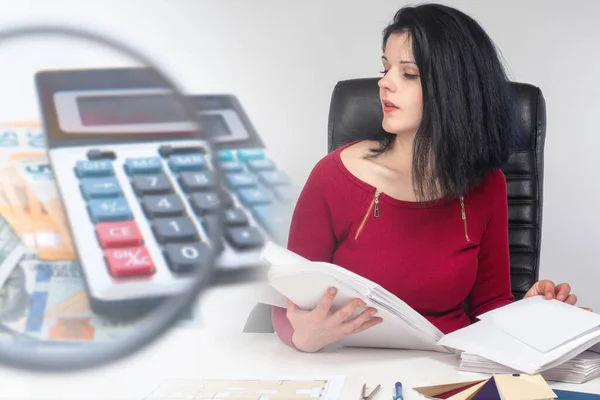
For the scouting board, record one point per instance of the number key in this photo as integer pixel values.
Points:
(197, 181)
(163, 206)
(206, 202)
(186, 257)
(151, 184)
(178, 229)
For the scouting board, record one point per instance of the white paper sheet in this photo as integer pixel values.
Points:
(486, 340)
(543, 324)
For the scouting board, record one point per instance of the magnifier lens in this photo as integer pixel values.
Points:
(103, 246)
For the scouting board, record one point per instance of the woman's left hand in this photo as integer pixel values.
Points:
(561, 292)
(547, 288)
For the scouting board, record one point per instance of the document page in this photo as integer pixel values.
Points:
(541, 323)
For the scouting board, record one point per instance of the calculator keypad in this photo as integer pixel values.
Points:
(177, 194)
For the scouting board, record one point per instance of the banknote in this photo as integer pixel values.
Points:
(29, 198)
(49, 223)
(12, 250)
(48, 301)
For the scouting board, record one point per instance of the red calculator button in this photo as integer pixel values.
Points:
(118, 234)
(129, 261)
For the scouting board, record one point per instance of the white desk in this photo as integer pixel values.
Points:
(191, 353)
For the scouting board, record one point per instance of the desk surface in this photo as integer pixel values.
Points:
(192, 353)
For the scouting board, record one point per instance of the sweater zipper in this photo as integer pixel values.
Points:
(464, 218)
(374, 203)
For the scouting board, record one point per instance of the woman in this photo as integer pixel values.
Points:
(423, 213)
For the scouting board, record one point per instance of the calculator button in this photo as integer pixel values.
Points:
(100, 188)
(244, 237)
(96, 168)
(97, 154)
(232, 166)
(143, 165)
(151, 184)
(166, 150)
(264, 164)
(178, 229)
(118, 234)
(169, 205)
(274, 178)
(250, 154)
(129, 261)
(187, 257)
(205, 202)
(187, 162)
(109, 210)
(235, 217)
(254, 196)
(225, 155)
(196, 181)
(240, 180)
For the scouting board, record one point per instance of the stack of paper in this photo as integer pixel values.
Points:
(305, 283)
(531, 335)
(580, 369)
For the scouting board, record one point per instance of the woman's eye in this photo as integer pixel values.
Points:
(411, 76)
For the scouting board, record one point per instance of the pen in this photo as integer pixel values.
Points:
(398, 395)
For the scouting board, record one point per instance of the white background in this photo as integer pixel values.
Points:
(283, 58)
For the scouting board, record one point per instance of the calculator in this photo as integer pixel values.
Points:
(138, 186)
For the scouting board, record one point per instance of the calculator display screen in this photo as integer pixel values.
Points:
(133, 109)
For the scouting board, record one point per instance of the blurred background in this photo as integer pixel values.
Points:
(283, 58)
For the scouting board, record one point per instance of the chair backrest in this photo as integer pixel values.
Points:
(355, 113)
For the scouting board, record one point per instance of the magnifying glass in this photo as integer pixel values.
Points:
(111, 200)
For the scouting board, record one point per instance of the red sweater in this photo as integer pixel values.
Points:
(427, 256)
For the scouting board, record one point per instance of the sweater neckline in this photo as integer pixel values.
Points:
(383, 196)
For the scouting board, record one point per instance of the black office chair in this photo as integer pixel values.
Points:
(355, 113)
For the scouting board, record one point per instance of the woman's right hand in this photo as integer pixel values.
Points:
(318, 328)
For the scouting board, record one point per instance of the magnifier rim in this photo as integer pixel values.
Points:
(167, 314)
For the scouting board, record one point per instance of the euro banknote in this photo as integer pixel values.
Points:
(29, 198)
(48, 301)
(12, 250)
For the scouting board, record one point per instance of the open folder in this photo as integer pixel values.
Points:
(529, 336)
(305, 283)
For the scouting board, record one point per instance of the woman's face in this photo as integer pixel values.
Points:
(400, 87)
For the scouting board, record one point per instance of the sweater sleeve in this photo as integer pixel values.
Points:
(311, 235)
(492, 288)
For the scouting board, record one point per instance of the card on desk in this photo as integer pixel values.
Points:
(499, 386)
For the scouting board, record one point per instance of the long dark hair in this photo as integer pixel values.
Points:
(467, 127)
